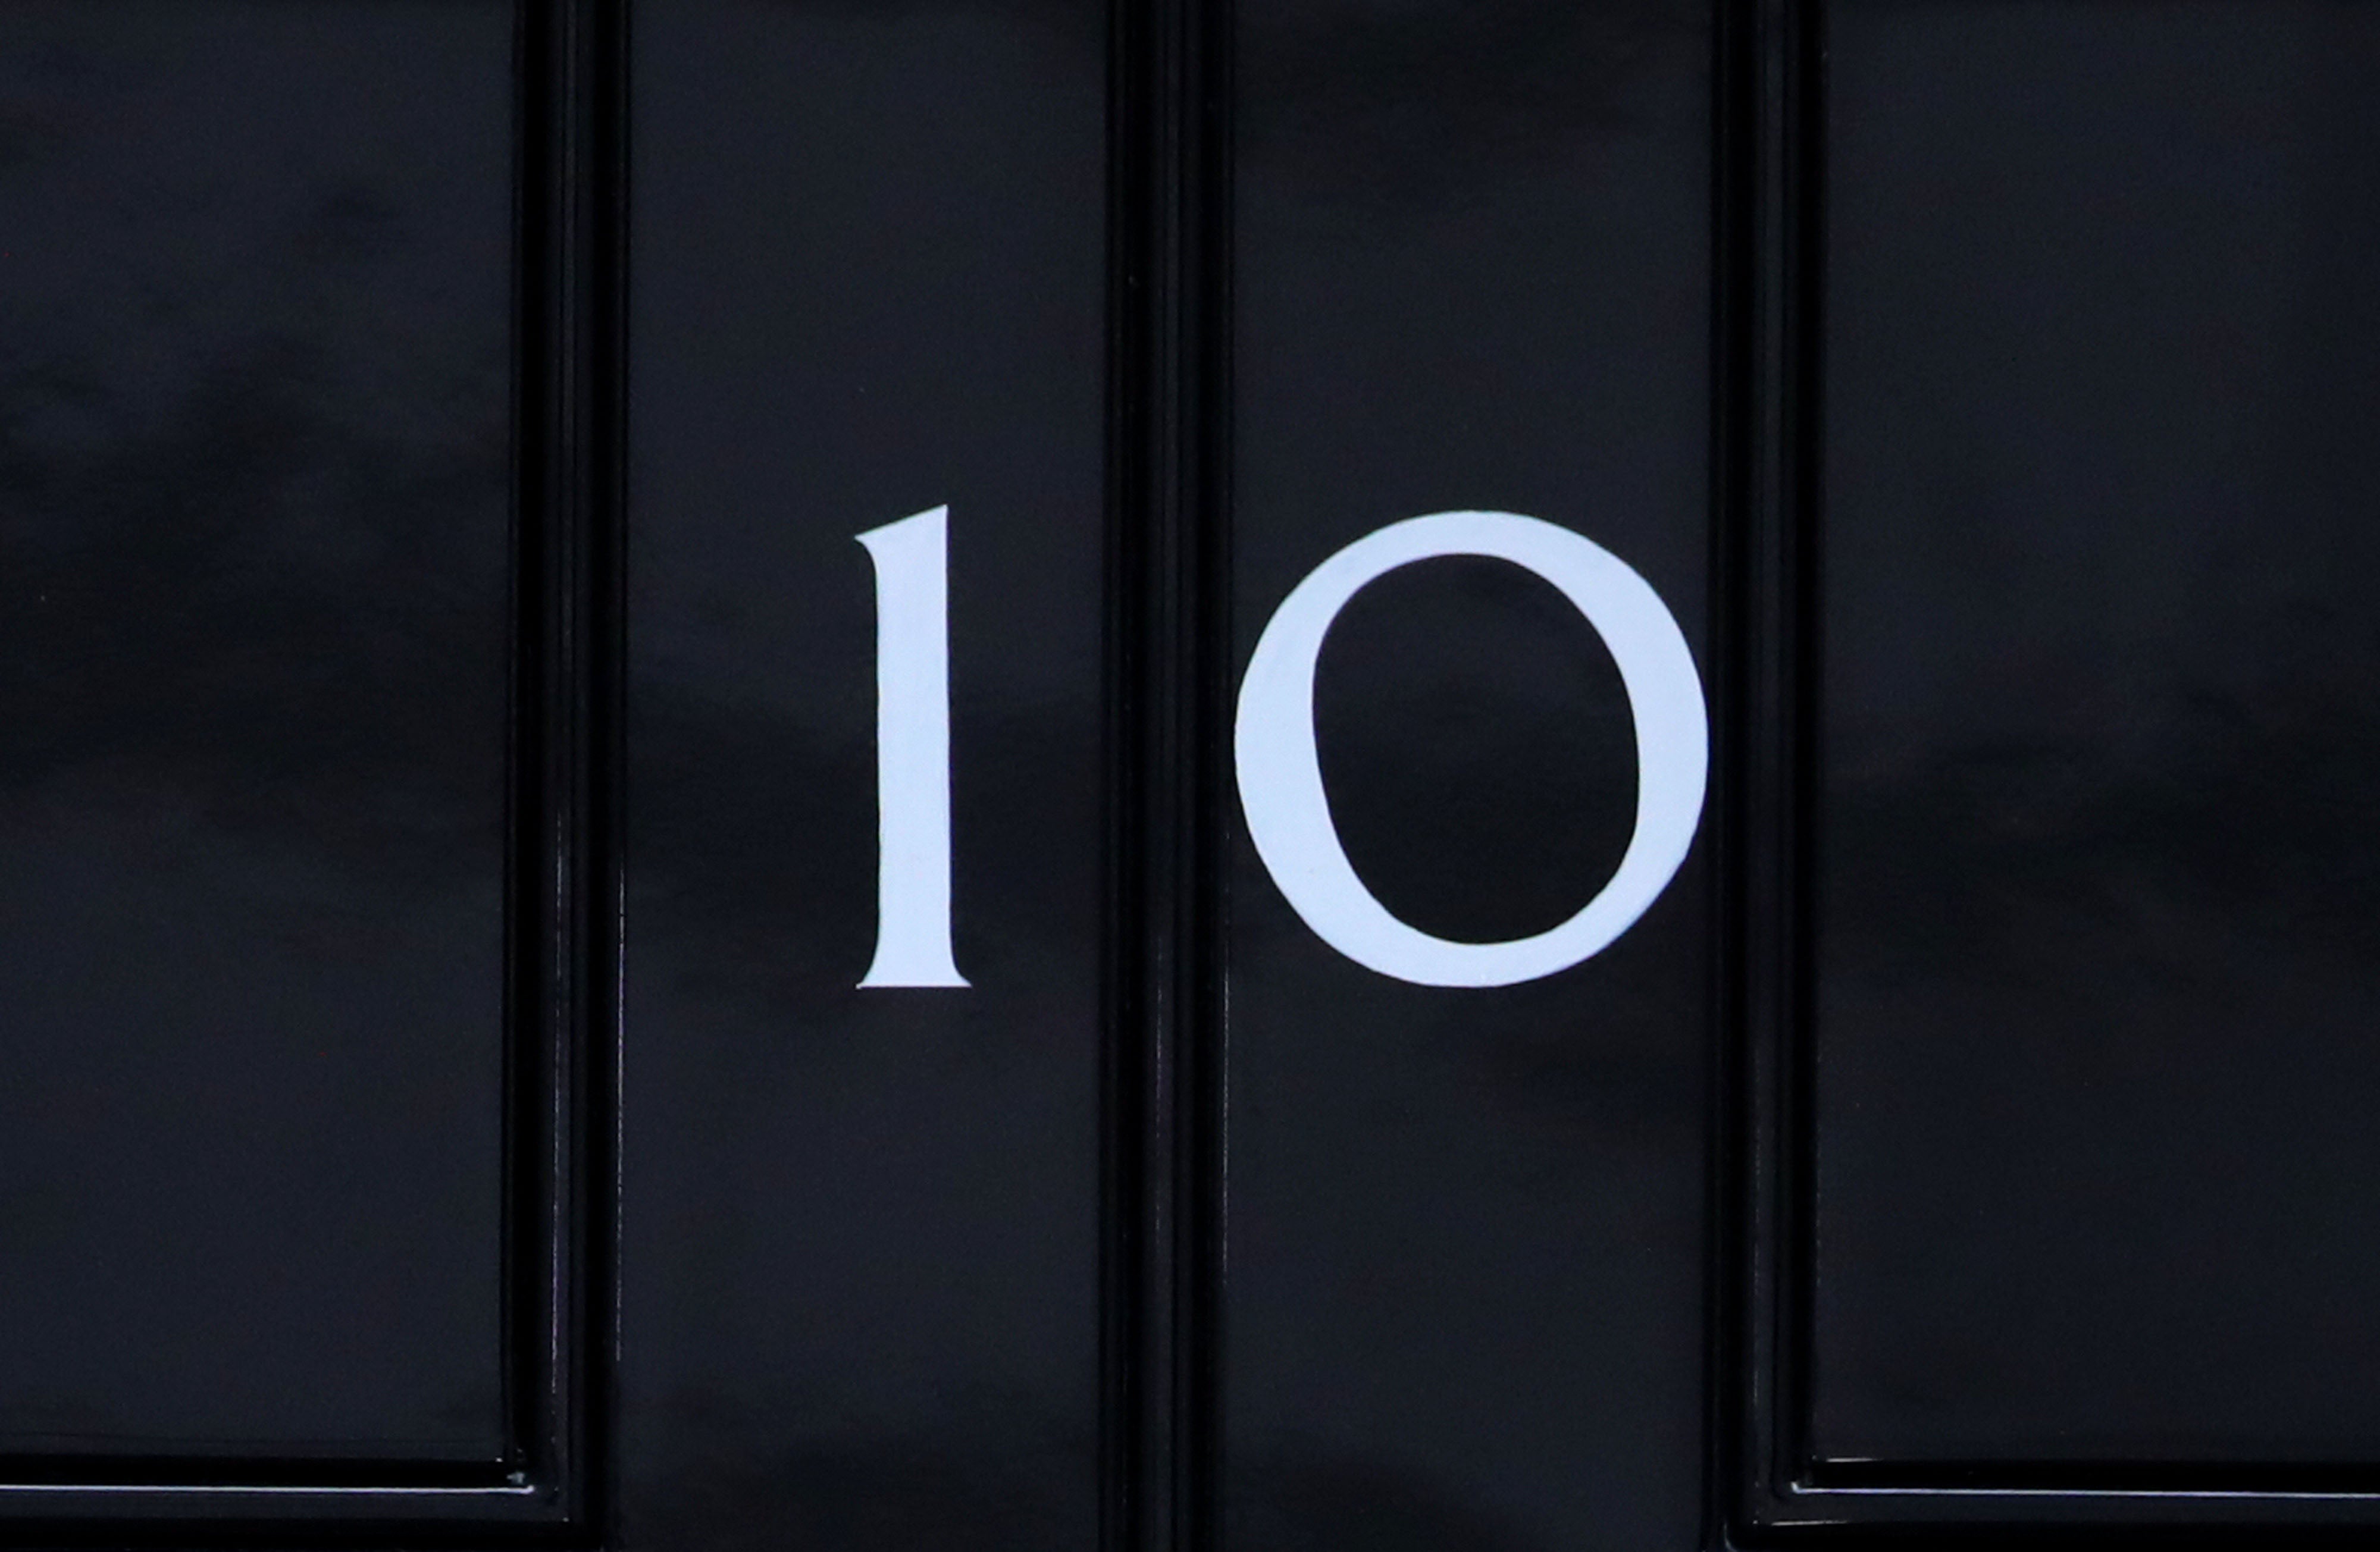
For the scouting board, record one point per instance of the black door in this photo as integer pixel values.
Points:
(868, 774)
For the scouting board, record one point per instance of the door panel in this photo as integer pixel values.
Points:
(2098, 912)
(862, 1224)
(2093, 904)
(257, 324)
(1466, 1225)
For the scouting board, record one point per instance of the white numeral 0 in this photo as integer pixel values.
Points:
(1280, 781)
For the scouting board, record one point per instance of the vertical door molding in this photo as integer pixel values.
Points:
(1169, 719)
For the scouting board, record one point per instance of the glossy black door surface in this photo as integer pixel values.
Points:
(255, 480)
(2095, 899)
(670, 878)
(1466, 1226)
(861, 1254)
(2099, 906)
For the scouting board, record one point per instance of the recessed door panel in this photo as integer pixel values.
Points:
(1465, 1224)
(861, 1253)
(2095, 906)
(255, 477)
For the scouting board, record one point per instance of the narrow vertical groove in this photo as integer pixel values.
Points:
(565, 1011)
(1735, 449)
(599, 585)
(1170, 660)
(1801, 465)
(1769, 226)
(540, 514)
(1208, 648)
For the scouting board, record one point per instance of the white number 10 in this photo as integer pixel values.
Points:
(1280, 777)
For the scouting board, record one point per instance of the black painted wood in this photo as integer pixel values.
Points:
(1468, 1225)
(309, 998)
(2058, 1096)
(862, 1244)
(1972, 1141)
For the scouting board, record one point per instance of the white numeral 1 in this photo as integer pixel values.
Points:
(913, 753)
